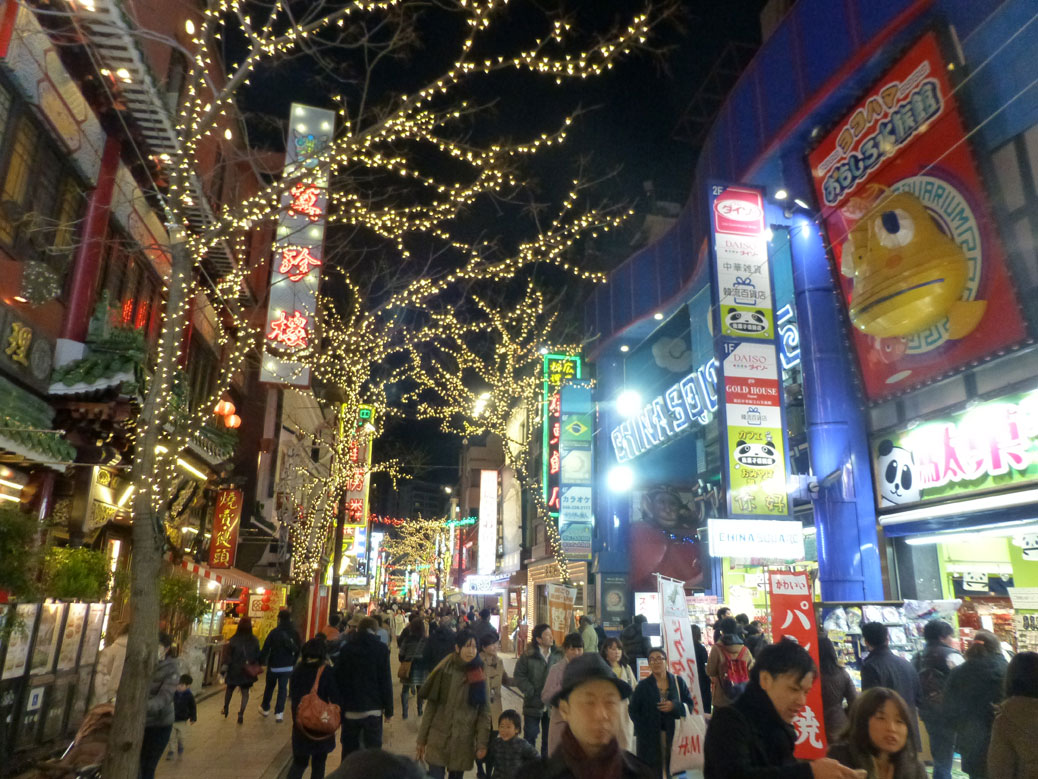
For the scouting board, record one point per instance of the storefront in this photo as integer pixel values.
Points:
(539, 575)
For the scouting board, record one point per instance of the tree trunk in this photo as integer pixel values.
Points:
(124, 744)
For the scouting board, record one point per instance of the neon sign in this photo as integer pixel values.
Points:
(558, 369)
(288, 331)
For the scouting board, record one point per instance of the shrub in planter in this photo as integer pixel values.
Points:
(75, 573)
(17, 551)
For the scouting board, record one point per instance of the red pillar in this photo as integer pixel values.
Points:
(87, 265)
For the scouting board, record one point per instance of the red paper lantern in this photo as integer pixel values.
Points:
(232, 421)
(265, 607)
(224, 408)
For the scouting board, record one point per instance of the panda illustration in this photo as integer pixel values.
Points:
(747, 322)
(755, 455)
(898, 483)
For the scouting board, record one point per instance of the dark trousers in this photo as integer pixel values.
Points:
(942, 747)
(439, 772)
(299, 763)
(534, 725)
(281, 680)
(152, 747)
(483, 766)
(354, 731)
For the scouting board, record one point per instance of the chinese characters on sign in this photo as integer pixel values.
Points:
(576, 515)
(558, 369)
(560, 610)
(223, 545)
(793, 615)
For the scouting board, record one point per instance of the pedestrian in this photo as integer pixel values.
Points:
(572, 648)
(531, 672)
(159, 714)
(508, 753)
(754, 737)
(110, 663)
(728, 664)
(184, 710)
(877, 739)
(612, 652)
(722, 613)
(241, 666)
(455, 729)
(838, 691)
(440, 642)
(743, 621)
(636, 643)
(520, 637)
(280, 654)
(331, 629)
(412, 652)
(933, 663)
(1013, 753)
(381, 631)
(365, 685)
(702, 658)
(588, 634)
(311, 748)
(657, 704)
(482, 627)
(755, 639)
(399, 620)
(590, 704)
(882, 668)
(971, 696)
(377, 764)
(497, 677)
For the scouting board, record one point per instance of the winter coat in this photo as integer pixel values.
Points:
(184, 708)
(936, 662)
(836, 688)
(507, 757)
(716, 666)
(970, 696)
(109, 670)
(164, 681)
(845, 755)
(555, 768)
(281, 648)
(481, 628)
(413, 648)
(496, 677)
(590, 638)
(626, 734)
(452, 729)
(702, 658)
(649, 720)
(552, 684)
(882, 668)
(531, 671)
(749, 740)
(635, 644)
(362, 674)
(1013, 753)
(301, 682)
(438, 645)
(238, 651)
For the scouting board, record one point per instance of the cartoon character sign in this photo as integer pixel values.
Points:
(756, 455)
(664, 535)
(744, 322)
(923, 269)
(895, 475)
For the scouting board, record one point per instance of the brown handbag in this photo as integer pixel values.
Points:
(316, 717)
(403, 673)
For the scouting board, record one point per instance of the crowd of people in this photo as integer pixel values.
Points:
(595, 718)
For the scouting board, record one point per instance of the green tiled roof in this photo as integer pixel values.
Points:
(25, 427)
(116, 359)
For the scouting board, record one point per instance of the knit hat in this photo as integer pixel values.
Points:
(588, 668)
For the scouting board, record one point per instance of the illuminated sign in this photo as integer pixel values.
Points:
(480, 584)
(487, 557)
(576, 512)
(764, 539)
(223, 544)
(558, 369)
(989, 447)
(298, 248)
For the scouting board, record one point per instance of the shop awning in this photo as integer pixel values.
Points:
(225, 576)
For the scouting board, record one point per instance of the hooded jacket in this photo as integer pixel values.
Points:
(163, 685)
(1013, 752)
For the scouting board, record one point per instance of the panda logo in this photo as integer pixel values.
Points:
(746, 322)
(898, 483)
(755, 455)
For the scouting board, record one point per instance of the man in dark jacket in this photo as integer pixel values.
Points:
(882, 668)
(933, 664)
(439, 644)
(531, 671)
(482, 626)
(279, 655)
(754, 737)
(365, 686)
(589, 701)
(635, 643)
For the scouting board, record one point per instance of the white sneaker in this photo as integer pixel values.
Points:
(264, 712)
(279, 717)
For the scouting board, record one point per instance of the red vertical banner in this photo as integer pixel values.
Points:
(223, 546)
(793, 616)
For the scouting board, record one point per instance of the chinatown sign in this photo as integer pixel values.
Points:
(295, 271)
(558, 369)
(223, 544)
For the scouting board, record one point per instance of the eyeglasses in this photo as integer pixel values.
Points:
(656, 659)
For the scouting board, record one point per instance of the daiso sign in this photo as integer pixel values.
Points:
(739, 211)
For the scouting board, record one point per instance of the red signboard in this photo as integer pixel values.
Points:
(223, 546)
(793, 615)
(922, 266)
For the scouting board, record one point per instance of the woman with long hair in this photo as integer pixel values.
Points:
(971, 695)
(656, 706)
(311, 749)
(412, 649)
(837, 687)
(455, 729)
(612, 651)
(240, 662)
(877, 738)
(1013, 753)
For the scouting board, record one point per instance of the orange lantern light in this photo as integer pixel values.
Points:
(224, 408)
(232, 421)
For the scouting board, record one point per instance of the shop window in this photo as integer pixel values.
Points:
(1015, 167)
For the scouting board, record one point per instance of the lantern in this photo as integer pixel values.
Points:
(232, 421)
(224, 408)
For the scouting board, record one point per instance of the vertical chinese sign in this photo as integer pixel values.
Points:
(223, 545)
(486, 542)
(354, 567)
(298, 248)
(576, 519)
(558, 369)
(793, 616)
(754, 432)
(676, 630)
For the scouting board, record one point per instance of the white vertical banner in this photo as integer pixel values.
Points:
(487, 551)
(676, 632)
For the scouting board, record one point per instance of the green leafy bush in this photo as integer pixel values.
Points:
(75, 573)
(181, 604)
(17, 551)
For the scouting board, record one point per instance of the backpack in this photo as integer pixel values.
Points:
(736, 674)
(932, 679)
(316, 718)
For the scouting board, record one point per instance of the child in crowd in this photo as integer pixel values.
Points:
(508, 753)
(184, 710)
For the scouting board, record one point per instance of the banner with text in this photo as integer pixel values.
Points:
(576, 519)
(560, 610)
(676, 629)
(223, 546)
